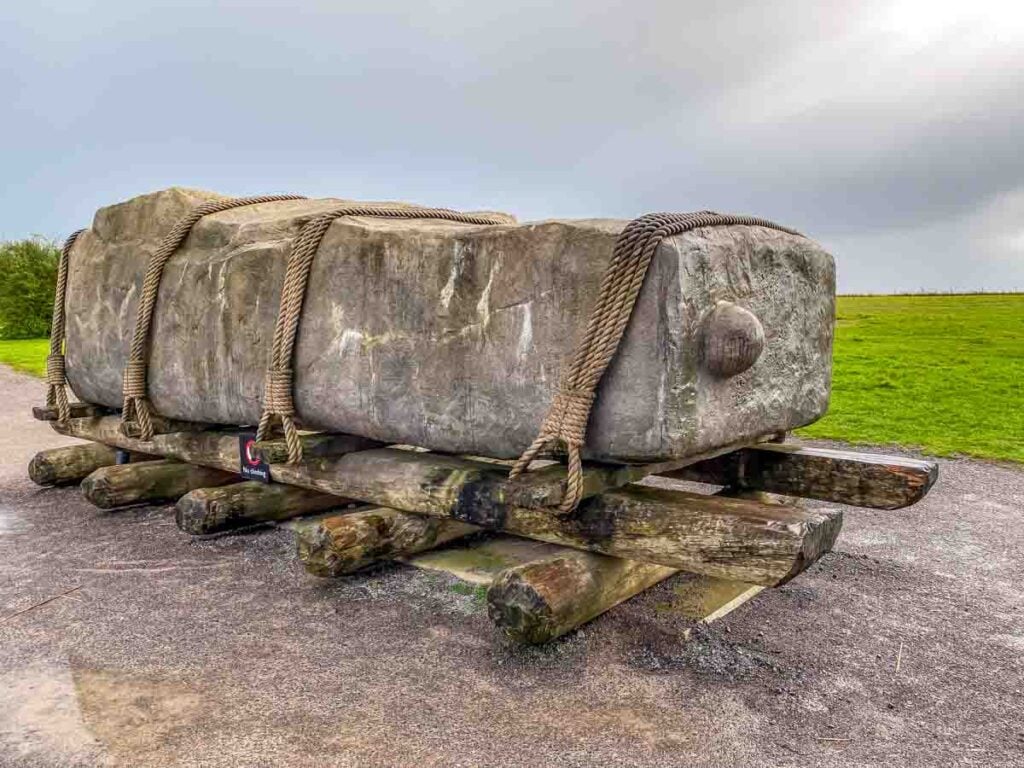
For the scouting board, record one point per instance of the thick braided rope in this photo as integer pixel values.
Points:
(277, 390)
(566, 422)
(56, 381)
(136, 401)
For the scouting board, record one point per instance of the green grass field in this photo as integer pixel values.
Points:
(942, 373)
(27, 355)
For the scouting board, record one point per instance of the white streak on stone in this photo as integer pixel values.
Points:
(448, 291)
(526, 334)
(351, 341)
(483, 307)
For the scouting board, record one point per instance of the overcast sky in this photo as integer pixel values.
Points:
(893, 132)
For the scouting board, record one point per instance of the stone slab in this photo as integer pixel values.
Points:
(451, 336)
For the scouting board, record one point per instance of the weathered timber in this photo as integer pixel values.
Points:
(210, 447)
(319, 444)
(395, 305)
(148, 482)
(78, 411)
(480, 559)
(762, 497)
(732, 538)
(326, 467)
(845, 477)
(69, 464)
(213, 510)
(163, 425)
(337, 544)
(539, 601)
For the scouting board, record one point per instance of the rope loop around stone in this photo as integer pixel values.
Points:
(55, 373)
(277, 391)
(567, 418)
(137, 407)
(56, 378)
(279, 384)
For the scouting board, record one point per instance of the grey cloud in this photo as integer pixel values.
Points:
(870, 128)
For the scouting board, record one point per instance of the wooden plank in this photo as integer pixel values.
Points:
(481, 559)
(70, 464)
(731, 538)
(216, 448)
(148, 482)
(707, 599)
(78, 411)
(240, 505)
(844, 477)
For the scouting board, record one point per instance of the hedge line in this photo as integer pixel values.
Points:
(28, 274)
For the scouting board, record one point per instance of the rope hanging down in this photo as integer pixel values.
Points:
(566, 422)
(277, 389)
(56, 381)
(136, 402)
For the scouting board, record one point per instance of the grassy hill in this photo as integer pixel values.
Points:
(942, 372)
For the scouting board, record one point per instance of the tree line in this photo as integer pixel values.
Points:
(28, 275)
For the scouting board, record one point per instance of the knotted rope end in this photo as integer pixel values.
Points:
(278, 403)
(565, 425)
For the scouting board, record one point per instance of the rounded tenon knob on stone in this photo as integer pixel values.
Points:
(732, 339)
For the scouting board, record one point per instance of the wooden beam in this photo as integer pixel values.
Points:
(78, 411)
(732, 538)
(333, 545)
(69, 464)
(148, 482)
(216, 448)
(844, 477)
(315, 445)
(214, 510)
(163, 425)
(539, 601)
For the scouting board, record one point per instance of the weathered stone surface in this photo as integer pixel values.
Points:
(451, 336)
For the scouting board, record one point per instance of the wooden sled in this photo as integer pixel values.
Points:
(374, 503)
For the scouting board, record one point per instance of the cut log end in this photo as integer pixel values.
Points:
(340, 544)
(820, 539)
(69, 464)
(517, 608)
(148, 482)
(224, 508)
(537, 602)
(819, 530)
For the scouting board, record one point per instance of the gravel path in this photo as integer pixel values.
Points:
(904, 647)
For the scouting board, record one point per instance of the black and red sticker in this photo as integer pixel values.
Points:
(251, 465)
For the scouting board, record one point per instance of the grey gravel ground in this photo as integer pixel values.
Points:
(904, 647)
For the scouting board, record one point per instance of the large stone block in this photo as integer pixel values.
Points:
(453, 336)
